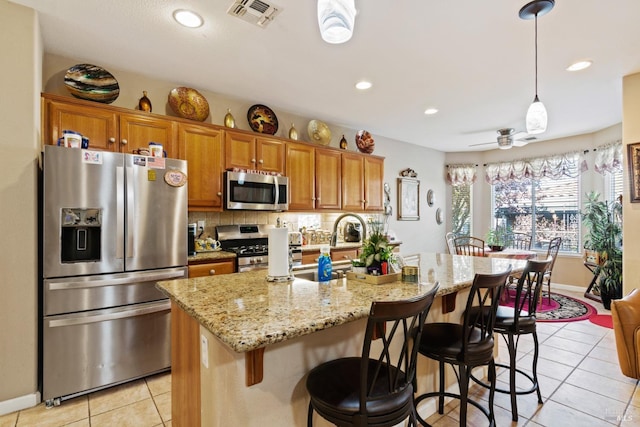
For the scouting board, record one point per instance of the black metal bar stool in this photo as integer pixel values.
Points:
(377, 388)
(512, 322)
(467, 345)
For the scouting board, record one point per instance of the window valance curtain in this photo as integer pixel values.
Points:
(461, 174)
(609, 158)
(556, 166)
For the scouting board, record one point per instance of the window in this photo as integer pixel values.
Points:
(461, 209)
(613, 185)
(544, 207)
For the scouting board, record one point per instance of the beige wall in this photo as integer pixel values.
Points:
(20, 121)
(630, 211)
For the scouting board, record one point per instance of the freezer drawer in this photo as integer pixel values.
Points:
(73, 294)
(85, 351)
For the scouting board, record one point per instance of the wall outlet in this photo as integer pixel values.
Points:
(200, 225)
(204, 351)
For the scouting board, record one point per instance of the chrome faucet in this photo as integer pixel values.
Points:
(334, 235)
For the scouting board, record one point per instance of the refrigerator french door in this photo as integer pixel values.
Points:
(113, 225)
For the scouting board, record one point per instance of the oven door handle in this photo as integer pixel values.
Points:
(123, 314)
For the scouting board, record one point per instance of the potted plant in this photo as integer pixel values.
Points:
(604, 236)
(376, 250)
(497, 238)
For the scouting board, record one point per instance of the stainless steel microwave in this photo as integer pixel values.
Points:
(255, 191)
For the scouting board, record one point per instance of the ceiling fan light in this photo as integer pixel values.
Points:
(536, 117)
(336, 19)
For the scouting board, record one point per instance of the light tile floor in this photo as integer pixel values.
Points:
(580, 381)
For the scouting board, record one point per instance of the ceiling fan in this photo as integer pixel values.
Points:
(506, 139)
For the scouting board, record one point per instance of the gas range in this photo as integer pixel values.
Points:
(250, 243)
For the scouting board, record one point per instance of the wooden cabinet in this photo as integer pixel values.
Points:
(301, 173)
(246, 151)
(202, 148)
(328, 179)
(337, 254)
(314, 178)
(212, 268)
(106, 127)
(362, 178)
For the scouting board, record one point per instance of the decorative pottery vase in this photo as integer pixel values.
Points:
(229, 121)
(293, 132)
(144, 104)
(343, 143)
(364, 142)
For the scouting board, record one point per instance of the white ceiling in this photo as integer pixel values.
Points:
(473, 60)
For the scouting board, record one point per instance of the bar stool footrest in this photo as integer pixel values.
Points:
(424, 396)
(533, 388)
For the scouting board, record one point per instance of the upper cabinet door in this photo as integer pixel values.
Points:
(328, 179)
(137, 131)
(353, 182)
(373, 183)
(240, 150)
(97, 124)
(270, 154)
(301, 173)
(202, 148)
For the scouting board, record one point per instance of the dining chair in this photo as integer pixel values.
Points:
(515, 321)
(451, 247)
(466, 345)
(520, 241)
(375, 389)
(468, 245)
(552, 251)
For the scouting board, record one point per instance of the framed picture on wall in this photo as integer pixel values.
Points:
(408, 200)
(634, 171)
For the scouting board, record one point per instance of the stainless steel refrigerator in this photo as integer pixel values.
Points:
(112, 226)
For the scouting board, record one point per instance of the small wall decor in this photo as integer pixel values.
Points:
(633, 155)
(408, 199)
(388, 210)
(409, 173)
(439, 216)
(431, 198)
(144, 103)
(229, 120)
(365, 142)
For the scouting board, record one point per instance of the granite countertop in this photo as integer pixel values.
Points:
(213, 256)
(247, 312)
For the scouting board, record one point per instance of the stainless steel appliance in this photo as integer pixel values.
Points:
(249, 242)
(352, 231)
(113, 225)
(254, 191)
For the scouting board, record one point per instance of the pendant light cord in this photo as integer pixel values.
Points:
(536, 48)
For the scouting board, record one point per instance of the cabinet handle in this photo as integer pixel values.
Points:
(212, 272)
(220, 193)
(261, 161)
(112, 140)
(124, 142)
(253, 160)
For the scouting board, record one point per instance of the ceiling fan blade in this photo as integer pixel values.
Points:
(483, 143)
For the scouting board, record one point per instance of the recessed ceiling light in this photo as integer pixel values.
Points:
(430, 111)
(188, 18)
(363, 85)
(580, 65)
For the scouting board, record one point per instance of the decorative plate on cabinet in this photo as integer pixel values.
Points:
(319, 132)
(188, 103)
(262, 119)
(86, 81)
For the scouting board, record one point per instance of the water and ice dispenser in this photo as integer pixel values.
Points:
(80, 234)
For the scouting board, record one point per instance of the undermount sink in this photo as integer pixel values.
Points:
(312, 275)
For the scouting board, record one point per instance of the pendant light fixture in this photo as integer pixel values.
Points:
(536, 114)
(336, 19)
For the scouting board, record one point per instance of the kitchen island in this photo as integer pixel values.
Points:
(241, 346)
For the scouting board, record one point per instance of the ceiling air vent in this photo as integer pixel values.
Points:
(255, 12)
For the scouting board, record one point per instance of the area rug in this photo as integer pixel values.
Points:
(604, 320)
(561, 309)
